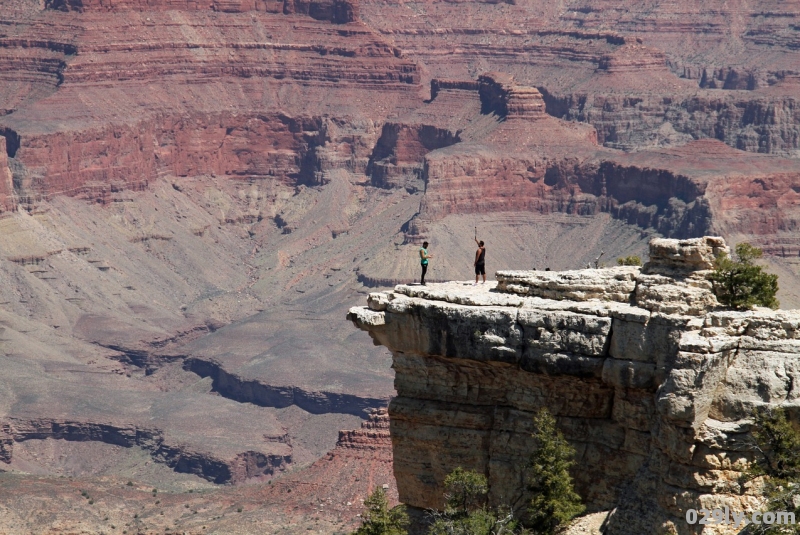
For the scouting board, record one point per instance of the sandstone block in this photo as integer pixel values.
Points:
(688, 392)
(694, 254)
(564, 331)
(649, 341)
(484, 334)
(378, 301)
(659, 293)
(613, 284)
(629, 374)
(757, 378)
(364, 317)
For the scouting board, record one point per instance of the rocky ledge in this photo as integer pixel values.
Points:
(650, 380)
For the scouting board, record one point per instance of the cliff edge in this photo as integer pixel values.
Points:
(649, 379)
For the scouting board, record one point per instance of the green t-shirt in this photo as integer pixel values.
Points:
(423, 261)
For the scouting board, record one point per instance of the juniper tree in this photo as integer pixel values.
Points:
(466, 512)
(777, 445)
(554, 500)
(740, 283)
(378, 519)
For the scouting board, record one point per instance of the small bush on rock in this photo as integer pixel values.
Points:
(632, 260)
(740, 283)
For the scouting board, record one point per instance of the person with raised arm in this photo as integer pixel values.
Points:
(480, 259)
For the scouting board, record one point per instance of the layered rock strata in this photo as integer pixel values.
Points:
(179, 456)
(643, 76)
(102, 96)
(338, 11)
(361, 461)
(6, 183)
(261, 393)
(509, 155)
(648, 378)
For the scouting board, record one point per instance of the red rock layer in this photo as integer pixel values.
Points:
(186, 93)
(500, 94)
(640, 84)
(373, 436)
(533, 162)
(401, 149)
(360, 462)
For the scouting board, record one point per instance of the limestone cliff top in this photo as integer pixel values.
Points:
(647, 376)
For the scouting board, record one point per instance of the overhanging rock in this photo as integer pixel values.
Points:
(651, 382)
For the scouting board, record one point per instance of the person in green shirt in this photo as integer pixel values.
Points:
(423, 259)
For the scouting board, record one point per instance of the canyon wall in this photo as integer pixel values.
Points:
(103, 96)
(512, 156)
(643, 77)
(179, 456)
(651, 382)
(338, 11)
(6, 182)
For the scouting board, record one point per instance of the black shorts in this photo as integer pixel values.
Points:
(480, 269)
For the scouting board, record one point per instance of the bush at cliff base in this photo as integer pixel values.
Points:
(378, 519)
(465, 510)
(777, 461)
(740, 283)
(554, 501)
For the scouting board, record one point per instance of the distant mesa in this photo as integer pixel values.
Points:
(501, 95)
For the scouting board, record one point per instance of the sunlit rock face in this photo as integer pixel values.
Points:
(651, 381)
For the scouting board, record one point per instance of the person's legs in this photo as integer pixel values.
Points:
(482, 270)
(424, 270)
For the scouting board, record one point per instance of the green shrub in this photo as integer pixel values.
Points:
(465, 510)
(632, 260)
(740, 283)
(777, 446)
(378, 519)
(554, 501)
(465, 491)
